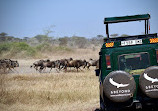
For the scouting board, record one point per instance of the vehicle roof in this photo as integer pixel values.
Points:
(126, 18)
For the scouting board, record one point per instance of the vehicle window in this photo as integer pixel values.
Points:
(134, 63)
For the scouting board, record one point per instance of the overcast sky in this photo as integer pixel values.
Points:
(28, 18)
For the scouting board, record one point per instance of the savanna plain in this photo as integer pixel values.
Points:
(25, 89)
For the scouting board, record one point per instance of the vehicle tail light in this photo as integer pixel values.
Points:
(108, 63)
(157, 55)
(154, 40)
(111, 44)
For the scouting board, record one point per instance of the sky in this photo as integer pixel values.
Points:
(28, 18)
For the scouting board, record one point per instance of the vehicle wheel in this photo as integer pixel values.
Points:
(119, 86)
(148, 82)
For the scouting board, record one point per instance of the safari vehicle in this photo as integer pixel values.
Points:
(128, 69)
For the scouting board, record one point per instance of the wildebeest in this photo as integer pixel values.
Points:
(47, 64)
(92, 62)
(76, 64)
(41, 65)
(37, 64)
(63, 63)
(8, 64)
(14, 64)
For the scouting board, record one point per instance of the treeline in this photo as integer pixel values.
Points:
(72, 42)
(33, 46)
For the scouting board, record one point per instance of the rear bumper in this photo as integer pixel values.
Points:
(133, 105)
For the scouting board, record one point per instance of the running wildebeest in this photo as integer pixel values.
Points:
(47, 64)
(63, 62)
(37, 64)
(41, 65)
(92, 62)
(8, 64)
(76, 64)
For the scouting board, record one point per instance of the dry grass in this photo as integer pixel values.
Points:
(47, 92)
(54, 91)
(76, 54)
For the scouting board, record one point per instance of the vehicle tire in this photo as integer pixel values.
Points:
(119, 86)
(148, 82)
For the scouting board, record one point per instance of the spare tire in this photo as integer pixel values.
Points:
(148, 82)
(119, 86)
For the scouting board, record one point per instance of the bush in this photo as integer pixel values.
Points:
(5, 47)
(16, 48)
(23, 47)
(45, 47)
(23, 50)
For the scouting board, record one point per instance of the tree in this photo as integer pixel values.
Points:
(100, 36)
(81, 42)
(48, 30)
(5, 38)
(3, 34)
(26, 38)
(124, 35)
(114, 35)
(43, 38)
(63, 41)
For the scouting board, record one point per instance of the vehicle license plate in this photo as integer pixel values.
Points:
(131, 42)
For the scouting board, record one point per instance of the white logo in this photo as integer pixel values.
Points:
(149, 78)
(117, 84)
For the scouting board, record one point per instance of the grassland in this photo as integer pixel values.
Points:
(30, 91)
(49, 92)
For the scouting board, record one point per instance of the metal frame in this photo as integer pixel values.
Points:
(111, 20)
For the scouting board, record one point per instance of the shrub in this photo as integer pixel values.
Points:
(16, 48)
(5, 47)
(23, 47)
(45, 47)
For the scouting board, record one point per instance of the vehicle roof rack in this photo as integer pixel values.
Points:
(111, 20)
(126, 18)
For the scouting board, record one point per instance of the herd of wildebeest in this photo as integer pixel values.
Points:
(7, 65)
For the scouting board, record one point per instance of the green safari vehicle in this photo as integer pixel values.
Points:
(128, 69)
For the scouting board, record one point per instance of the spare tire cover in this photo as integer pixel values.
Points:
(119, 86)
(148, 82)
